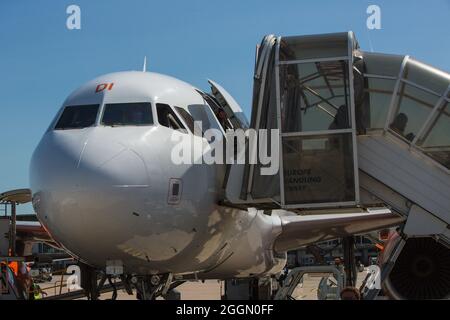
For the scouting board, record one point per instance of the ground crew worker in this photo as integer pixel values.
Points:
(37, 292)
(14, 266)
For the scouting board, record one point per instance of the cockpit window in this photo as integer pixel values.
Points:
(168, 118)
(127, 114)
(77, 117)
(189, 121)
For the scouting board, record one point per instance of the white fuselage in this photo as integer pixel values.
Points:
(102, 192)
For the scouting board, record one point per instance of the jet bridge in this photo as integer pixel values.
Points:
(304, 89)
(356, 129)
(344, 117)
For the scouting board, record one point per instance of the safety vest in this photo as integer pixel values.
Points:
(14, 267)
(37, 293)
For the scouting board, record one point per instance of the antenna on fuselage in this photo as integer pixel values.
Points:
(144, 67)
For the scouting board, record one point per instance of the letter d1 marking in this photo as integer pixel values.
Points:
(103, 86)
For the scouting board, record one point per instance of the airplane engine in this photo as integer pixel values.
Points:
(421, 271)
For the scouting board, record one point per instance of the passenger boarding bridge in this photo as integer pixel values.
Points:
(345, 113)
(357, 129)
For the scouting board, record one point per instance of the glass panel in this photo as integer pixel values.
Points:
(267, 186)
(189, 121)
(168, 118)
(426, 76)
(382, 64)
(380, 94)
(437, 142)
(414, 106)
(77, 117)
(314, 46)
(127, 114)
(220, 113)
(318, 169)
(314, 96)
(205, 115)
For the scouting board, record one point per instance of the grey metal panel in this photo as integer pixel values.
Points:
(422, 223)
(407, 172)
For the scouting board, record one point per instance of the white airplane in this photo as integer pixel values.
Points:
(105, 188)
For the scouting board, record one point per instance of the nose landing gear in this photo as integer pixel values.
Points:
(149, 287)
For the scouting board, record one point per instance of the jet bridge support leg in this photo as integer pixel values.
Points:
(89, 281)
(249, 289)
(348, 244)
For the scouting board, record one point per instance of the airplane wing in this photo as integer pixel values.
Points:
(300, 230)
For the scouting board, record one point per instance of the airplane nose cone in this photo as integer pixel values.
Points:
(111, 164)
(79, 182)
(81, 160)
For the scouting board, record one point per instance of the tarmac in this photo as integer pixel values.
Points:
(197, 290)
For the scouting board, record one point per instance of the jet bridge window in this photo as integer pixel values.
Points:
(414, 105)
(313, 47)
(127, 114)
(318, 169)
(77, 117)
(421, 87)
(381, 72)
(318, 157)
(168, 118)
(410, 99)
(380, 95)
(436, 141)
(314, 96)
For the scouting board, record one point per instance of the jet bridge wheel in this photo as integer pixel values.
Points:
(422, 270)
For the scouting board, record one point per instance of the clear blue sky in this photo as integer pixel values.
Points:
(41, 61)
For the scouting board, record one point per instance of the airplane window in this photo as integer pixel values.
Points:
(168, 118)
(188, 120)
(77, 117)
(127, 114)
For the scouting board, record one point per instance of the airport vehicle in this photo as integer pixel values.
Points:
(362, 146)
